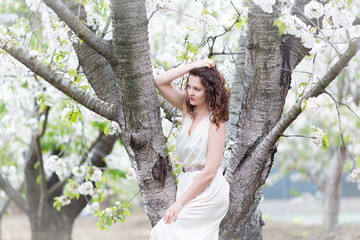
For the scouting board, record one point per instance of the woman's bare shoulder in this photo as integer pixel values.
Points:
(214, 128)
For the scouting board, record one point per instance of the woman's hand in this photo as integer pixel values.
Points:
(172, 212)
(203, 63)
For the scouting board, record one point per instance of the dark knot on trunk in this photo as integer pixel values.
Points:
(160, 169)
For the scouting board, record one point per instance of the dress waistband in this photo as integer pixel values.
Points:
(192, 169)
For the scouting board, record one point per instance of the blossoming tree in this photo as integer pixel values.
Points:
(113, 51)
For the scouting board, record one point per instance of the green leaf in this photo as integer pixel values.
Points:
(192, 48)
(74, 117)
(303, 105)
(325, 143)
(281, 25)
(108, 221)
(127, 212)
(357, 160)
(72, 72)
(116, 173)
(84, 87)
(303, 84)
(40, 97)
(38, 179)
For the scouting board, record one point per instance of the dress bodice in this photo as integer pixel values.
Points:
(191, 149)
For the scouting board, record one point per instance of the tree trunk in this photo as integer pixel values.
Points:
(56, 227)
(265, 87)
(145, 141)
(236, 93)
(51, 224)
(332, 194)
(269, 60)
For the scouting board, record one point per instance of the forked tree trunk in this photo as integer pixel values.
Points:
(269, 60)
(52, 224)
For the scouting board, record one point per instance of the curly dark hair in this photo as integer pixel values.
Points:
(216, 94)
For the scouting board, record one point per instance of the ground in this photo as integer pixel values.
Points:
(291, 224)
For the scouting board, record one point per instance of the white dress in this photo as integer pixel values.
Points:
(200, 217)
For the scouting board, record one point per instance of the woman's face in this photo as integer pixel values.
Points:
(196, 91)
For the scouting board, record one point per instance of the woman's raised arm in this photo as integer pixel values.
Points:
(170, 93)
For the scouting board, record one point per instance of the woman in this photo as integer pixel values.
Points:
(202, 197)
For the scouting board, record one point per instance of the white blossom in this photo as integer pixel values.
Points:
(340, 13)
(4, 38)
(355, 175)
(95, 174)
(93, 207)
(51, 163)
(318, 135)
(109, 212)
(312, 105)
(5, 170)
(33, 4)
(265, 5)
(97, 193)
(64, 200)
(94, 20)
(113, 127)
(294, 25)
(314, 10)
(118, 204)
(213, 26)
(163, 5)
(72, 187)
(78, 171)
(86, 188)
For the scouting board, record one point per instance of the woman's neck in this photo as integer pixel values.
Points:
(202, 111)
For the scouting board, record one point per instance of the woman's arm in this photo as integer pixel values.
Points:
(170, 93)
(216, 145)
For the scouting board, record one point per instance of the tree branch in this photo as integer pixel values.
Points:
(4, 205)
(357, 21)
(315, 91)
(316, 181)
(80, 29)
(66, 86)
(43, 187)
(12, 193)
(106, 26)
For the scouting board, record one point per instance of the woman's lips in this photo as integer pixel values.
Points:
(191, 99)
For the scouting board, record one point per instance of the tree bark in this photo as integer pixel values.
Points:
(96, 68)
(142, 123)
(332, 194)
(264, 92)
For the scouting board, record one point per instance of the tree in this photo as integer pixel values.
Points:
(120, 73)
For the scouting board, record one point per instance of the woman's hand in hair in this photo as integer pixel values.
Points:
(206, 62)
